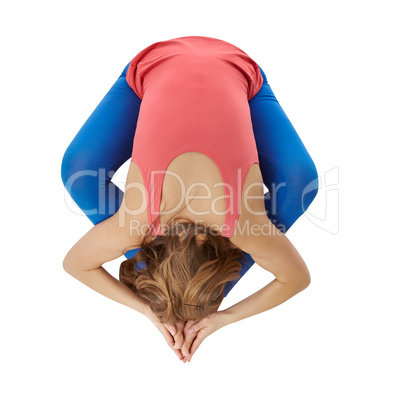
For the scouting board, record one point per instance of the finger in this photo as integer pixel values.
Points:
(197, 342)
(189, 338)
(170, 341)
(176, 334)
(172, 329)
(174, 341)
(186, 358)
(178, 353)
(168, 337)
(186, 347)
(179, 340)
(194, 327)
(189, 324)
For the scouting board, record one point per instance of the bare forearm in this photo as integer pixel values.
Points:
(107, 285)
(269, 296)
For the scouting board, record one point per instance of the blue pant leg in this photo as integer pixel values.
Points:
(287, 168)
(101, 146)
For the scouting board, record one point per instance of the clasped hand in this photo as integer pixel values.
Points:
(184, 338)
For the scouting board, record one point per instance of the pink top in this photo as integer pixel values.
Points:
(195, 92)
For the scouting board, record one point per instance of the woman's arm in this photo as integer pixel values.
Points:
(273, 251)
(104, 242)
(266, 298)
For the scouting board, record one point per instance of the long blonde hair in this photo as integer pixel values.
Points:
(182, 274)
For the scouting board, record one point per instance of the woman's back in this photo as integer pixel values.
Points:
(195, 123)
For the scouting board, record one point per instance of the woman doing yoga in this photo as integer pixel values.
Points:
(204, 132)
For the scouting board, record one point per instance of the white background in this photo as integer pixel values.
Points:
(335, 68)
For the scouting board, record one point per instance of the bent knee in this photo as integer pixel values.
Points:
(78, 171)
(71, 165)
(309, 183)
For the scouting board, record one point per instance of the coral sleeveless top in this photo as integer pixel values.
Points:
(195, 92)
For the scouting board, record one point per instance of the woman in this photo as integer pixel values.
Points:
(204, 132)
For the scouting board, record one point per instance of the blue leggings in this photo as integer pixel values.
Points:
(105, 142)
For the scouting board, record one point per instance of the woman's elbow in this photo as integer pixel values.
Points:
(305, 280)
